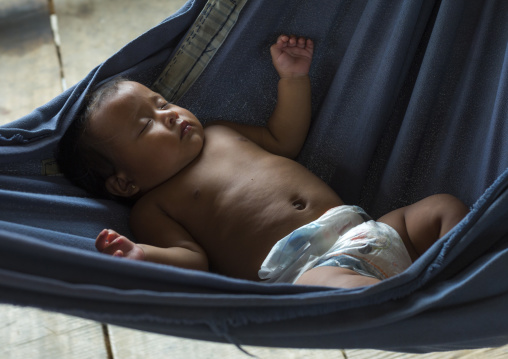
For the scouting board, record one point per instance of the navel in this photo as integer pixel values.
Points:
(299, 204)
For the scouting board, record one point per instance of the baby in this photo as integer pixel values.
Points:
(228, 198)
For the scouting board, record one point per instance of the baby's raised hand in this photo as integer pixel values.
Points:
(112, 243)
(292, 56)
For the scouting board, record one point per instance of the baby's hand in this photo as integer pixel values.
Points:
(110, 242)
(292, 56)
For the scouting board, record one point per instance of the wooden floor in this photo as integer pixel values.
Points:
(35, 67)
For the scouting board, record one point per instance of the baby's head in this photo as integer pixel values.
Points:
(128, 140)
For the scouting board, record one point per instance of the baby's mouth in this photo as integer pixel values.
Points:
(184, 128)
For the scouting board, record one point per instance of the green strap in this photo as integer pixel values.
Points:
(201, 43)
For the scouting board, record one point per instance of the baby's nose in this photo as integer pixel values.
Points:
(170, 118)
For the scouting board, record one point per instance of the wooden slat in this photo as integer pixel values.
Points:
(93, 30)
(489, 353)
(134, 344)
(35, 334)
(30, 77)
(29, 70)
(131, 344)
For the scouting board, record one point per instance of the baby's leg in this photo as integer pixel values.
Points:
(331, 276)
(421, 224)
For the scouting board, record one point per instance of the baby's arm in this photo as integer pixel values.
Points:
(162, 240)
(288, 125)
(290, 120)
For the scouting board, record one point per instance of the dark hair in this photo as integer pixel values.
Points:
(78, 155)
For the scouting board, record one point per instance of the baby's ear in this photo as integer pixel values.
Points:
(121, 186)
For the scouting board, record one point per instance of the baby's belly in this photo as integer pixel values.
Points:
(252, 216)
(244, 245)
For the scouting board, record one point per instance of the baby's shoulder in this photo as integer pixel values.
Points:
(147, 202)
(219, 128)
(226, 133)
(146, 209)
(154, 200)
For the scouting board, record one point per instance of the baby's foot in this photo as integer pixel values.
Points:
(112, 243)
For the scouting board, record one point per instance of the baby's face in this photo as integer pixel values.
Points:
(148, 139)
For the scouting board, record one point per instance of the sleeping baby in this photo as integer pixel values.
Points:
(228, 198)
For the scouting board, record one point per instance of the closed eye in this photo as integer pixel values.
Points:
(148, 123)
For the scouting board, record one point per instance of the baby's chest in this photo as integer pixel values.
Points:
(223, 140)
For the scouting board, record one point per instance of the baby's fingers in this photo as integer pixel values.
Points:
(309, 44)
(113, 247)
(102, 240)
(283, 40)
(109, 242)
(300, 42)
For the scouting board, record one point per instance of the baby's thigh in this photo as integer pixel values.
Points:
(422, 223)
(331, 276)
(397, 220)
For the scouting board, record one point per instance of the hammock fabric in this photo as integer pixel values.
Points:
(410, 98)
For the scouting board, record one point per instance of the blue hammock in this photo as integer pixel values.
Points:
(410, 98)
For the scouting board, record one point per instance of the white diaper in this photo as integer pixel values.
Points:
(346, 237)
